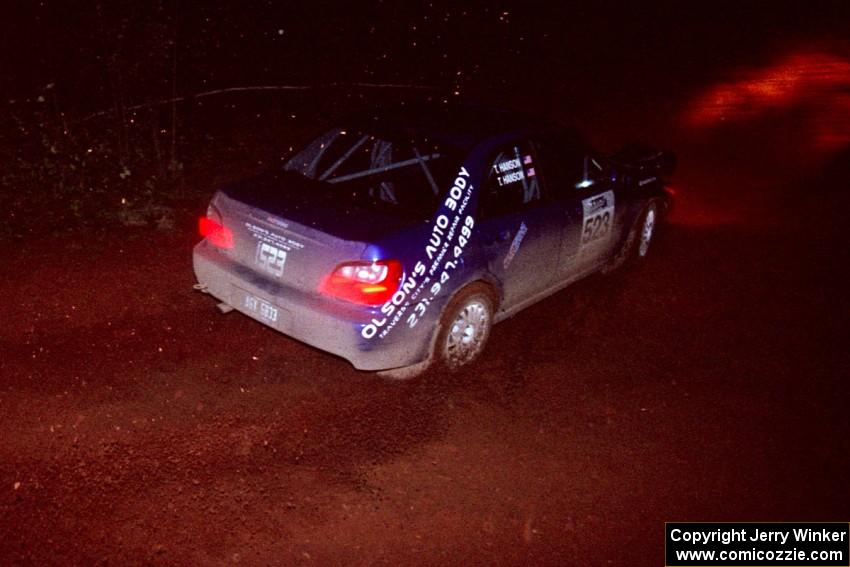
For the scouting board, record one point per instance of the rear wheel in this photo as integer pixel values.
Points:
(465, 327)
(647, 229)
(638, 241)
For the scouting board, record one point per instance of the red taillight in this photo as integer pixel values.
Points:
(218, 234)
(369, 283)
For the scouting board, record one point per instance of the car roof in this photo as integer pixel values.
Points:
(457, 126)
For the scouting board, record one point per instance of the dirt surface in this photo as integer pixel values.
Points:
(140, 426)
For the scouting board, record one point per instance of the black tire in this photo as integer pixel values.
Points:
(650, 220)
(465, 326)
(636, 246)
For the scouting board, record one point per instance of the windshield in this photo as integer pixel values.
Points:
(398, 177)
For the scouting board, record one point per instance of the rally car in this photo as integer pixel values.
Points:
(397, 238)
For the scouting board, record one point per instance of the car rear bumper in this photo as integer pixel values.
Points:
(326, 324)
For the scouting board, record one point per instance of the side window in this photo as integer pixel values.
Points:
(512, 182)
(566, 162)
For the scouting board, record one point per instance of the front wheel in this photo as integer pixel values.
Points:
(465, 327)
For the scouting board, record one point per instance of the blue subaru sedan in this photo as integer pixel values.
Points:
(398, 237)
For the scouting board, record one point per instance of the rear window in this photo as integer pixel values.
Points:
(398, 177)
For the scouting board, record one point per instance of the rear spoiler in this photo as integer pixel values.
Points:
(640, 160)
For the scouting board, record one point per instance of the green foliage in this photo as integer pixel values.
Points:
(58, 165)
(88, 173)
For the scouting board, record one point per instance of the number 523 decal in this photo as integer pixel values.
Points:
(598, 216)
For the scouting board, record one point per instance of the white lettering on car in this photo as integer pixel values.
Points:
(430, 275)
(515, 244)
(272, 248)
(270, 258)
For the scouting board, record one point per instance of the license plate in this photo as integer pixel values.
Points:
(260, 308)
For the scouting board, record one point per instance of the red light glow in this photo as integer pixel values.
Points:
(216, 233)
(816, 83)
(367, 283)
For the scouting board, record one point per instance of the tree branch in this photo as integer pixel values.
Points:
(175, 100)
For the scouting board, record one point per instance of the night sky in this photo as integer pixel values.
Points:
(552, 55)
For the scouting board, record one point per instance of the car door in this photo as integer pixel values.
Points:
(597, 206)
(520, 231)
(587, 197)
